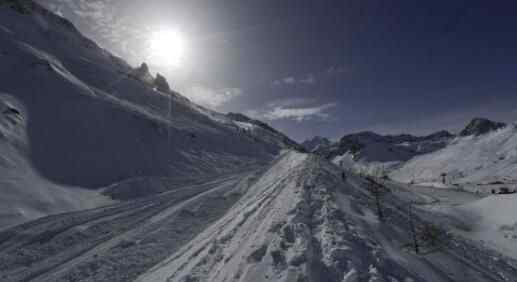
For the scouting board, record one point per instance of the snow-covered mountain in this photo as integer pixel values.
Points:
(481, 153)
(368, 151)
(479, 159)
(480, 126)
(88, 119)
(179, 193)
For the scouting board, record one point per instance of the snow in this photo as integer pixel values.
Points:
(473, 159)
(293, 220)
(492, 221)
(89, 123)
(244, 125)
(104, 178)
(25, 194)
(371, 153)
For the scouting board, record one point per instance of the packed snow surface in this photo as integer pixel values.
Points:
(294, 220)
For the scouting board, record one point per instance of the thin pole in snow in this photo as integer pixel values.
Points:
(412, 228)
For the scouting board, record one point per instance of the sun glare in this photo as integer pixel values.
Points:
(167, 46)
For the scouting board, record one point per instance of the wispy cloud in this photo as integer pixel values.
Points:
(211, 97)
(291, 80)
(309, 79)
(296, 111)
(102, 20)
(336, 69)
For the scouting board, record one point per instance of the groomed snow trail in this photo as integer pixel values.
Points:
(301, 222)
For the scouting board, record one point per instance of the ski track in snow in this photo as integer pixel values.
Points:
(292, 221)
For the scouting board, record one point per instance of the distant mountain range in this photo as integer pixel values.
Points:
(400, 155)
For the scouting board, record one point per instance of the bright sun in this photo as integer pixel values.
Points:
(167, 46)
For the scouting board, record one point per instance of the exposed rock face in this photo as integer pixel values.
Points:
(479, 126)
(161, 83)
(142, 73)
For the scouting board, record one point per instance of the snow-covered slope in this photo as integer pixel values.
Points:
(296, 220)
(367, 152)
(90, 120)
(477, 159)
(24, 193)
(492, 221)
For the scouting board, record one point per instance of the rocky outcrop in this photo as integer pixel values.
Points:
(480, 126)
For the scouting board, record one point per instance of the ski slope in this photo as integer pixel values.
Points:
(295, 220)
(479, 159)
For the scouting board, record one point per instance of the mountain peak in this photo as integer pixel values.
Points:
(479, 126)
(161, 83)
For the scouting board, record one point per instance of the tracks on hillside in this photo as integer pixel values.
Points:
(67, 246)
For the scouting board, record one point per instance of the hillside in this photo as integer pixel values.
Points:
(295, 220)
(108, 174)
(480, 159)
(91, 120)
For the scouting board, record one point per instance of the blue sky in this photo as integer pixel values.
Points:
(325, 67)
